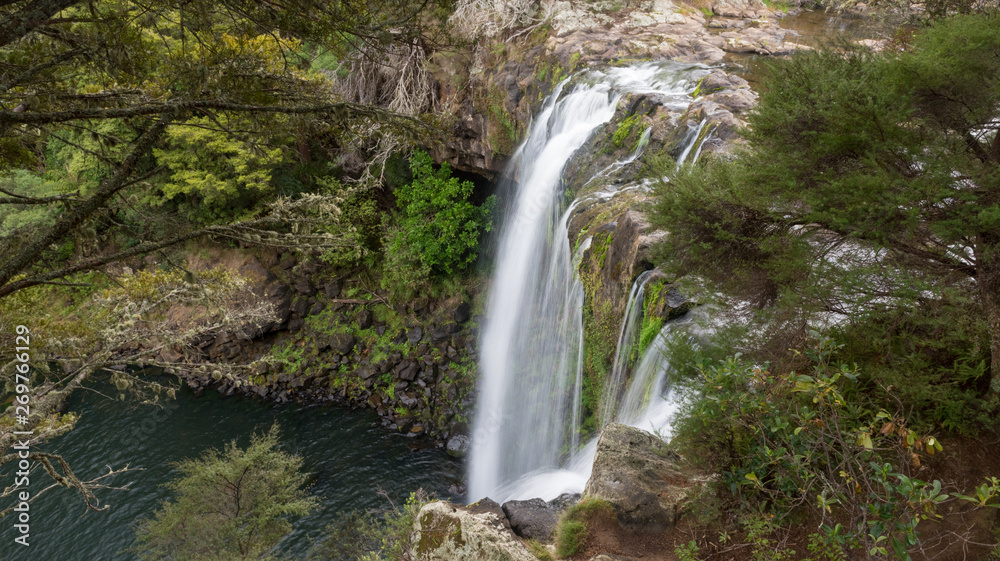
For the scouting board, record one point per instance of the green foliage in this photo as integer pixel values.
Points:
(687, 552)
(867, 189)
(25, 220)
(214, 168)
(79, 157)
(813, 439)
(383, 536)
(571, 530)
(228, 505)
(935, 360)
(360, 224)
(438, 228)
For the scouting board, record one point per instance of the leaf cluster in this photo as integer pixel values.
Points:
(438, 227)
(786, 445)
(228, 505)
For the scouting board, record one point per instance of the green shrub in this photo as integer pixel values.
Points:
(229, 504)
(571, 531)
(935, 357)
(784, 442)
(438, 228)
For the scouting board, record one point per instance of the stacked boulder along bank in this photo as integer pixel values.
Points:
(413, 365)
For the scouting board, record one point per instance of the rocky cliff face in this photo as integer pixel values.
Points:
(333, 341)
(493, 87)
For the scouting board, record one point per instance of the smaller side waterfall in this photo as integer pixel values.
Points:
(689, 144)
(628, 337)
(647, 403)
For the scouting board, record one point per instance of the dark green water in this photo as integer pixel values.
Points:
(348, 457)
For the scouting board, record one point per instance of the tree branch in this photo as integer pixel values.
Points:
(71, 219)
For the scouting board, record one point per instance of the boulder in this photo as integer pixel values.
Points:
(414, 335)
(342, 343)
(740, 8)
(332, 289)
(365, 319)
(532, 519)
(458, 446)
(447, 532)
(642, 481)
(462, 313)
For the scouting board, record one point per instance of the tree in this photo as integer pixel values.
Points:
(439, 228)
(229, 505)
(98, 101)
(115, 79)
(124, 324)
(869, 181)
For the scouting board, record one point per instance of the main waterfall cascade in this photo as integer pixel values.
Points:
(528, 411)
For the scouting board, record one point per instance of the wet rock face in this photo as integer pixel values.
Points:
(446, 532)
(642, 482)
(494, 103)
(532, 519)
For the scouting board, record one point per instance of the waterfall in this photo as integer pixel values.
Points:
(628, 336)
(647, 403)
(528, 409)
(690, 141)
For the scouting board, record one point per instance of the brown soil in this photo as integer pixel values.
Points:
(606, 536)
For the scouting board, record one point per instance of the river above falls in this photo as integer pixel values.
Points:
(347, 456)
(812, 28)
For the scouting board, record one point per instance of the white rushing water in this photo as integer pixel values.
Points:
(628, 337)
(528, 411)
(648, 404)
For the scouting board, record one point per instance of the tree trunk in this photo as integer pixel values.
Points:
(988, 277)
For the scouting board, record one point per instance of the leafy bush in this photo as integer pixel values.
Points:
(782, 444)
(232, 504)
(935, 358)
(438, 227)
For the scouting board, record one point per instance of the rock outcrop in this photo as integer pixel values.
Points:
(532, 519)
(417, 373)
(494, 98)
(447, 532)
(638, 477)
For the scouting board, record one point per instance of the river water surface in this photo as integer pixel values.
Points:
(347, 456)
